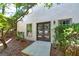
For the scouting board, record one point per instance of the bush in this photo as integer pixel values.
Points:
(20, 35)
(67, 35)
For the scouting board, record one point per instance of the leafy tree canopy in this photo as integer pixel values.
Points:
(4, 22)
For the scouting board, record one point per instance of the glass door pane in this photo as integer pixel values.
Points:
(40, 30)
(46, 31)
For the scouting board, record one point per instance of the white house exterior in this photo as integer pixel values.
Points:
(41, 14)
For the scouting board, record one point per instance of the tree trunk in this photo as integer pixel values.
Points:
(2, 39)
(4, 44)
(15, 30)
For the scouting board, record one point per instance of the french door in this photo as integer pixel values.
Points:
(43, 31)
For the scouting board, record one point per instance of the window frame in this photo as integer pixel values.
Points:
(60, 22)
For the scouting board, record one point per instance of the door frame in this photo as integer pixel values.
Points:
(49, 29)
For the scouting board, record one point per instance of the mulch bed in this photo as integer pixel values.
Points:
(14, 48)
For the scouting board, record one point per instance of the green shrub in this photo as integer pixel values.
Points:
(20, 35)
(67, 35)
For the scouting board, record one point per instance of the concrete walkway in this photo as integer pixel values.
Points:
(38, 48)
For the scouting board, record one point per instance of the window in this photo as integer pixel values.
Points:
(29, 29)
(65, 21)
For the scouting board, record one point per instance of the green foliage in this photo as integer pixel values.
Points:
(3, 22)
(20, 35)
(6, 24)
(48, 5)
(67, 35)
(22, 9)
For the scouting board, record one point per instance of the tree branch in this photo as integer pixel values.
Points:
(25, 13)
(20, 18)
